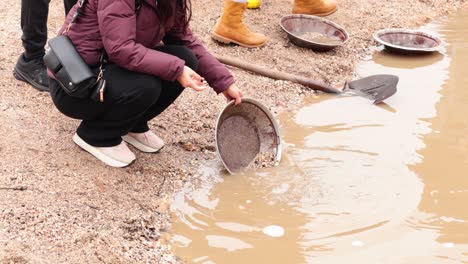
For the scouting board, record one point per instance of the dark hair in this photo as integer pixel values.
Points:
(181, 10)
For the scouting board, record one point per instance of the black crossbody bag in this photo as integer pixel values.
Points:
(70, 70)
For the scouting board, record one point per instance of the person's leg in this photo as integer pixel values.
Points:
(314, 7)
(140, 136)
(231, 29)
(30, 67)
(170, 90)
(128, 96)
(116, 156)
(34, 26)
(68, 4)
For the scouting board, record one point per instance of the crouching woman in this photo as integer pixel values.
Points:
(143, 76)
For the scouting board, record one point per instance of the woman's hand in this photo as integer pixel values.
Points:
(191, 79)
(233, 93)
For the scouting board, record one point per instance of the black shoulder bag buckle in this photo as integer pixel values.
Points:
(70, 70)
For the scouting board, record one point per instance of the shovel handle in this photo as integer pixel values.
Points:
(277, 75)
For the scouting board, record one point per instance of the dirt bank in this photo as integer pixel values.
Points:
(60, 205)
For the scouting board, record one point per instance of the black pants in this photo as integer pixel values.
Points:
(34, 25)
(131, 100)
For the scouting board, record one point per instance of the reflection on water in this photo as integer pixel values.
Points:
(385, 184)
(225, 224)
(445, 166)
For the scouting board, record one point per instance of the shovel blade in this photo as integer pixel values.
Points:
(376, 87)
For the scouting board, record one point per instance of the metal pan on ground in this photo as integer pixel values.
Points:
(408, 41)
(245, 131)
(313, 32)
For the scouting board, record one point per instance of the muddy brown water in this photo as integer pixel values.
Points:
(358, 183)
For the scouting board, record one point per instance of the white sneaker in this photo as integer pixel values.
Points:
(118, 156)
(146, 142)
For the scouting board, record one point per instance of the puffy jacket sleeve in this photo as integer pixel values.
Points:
(215, 73)
(117, 25)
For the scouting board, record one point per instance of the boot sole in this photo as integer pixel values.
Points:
(326, 14)
(99, 155)
(229, 41)
(132, 141)
(321, 14)
(24, 78)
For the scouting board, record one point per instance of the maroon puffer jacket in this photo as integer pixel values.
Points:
(129, 36)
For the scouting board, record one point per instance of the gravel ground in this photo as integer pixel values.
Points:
(59, 205)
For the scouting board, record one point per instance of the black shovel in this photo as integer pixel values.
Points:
(375, 87)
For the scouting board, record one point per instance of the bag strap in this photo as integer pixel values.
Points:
(78, 12)
(81, 3)
(137, 5)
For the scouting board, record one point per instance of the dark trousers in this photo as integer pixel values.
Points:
(34, 25)
(131, 100)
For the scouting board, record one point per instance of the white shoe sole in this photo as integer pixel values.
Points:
(98, 154)
(132, 141)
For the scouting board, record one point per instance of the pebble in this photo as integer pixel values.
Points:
(188, 146)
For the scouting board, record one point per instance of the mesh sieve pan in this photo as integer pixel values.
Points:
(243, 131)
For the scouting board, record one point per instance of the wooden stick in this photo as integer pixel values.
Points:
(277, 75)
(19, 188)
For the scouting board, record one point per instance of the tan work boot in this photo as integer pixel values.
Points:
(314, 7)
(231, 29)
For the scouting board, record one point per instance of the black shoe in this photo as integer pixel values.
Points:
(33, 72)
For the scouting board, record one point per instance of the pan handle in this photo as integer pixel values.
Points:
(277, 75)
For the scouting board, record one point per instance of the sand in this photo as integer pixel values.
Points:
(60, 205)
